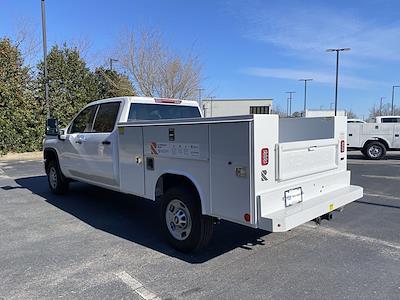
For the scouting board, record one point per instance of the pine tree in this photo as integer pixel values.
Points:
(110, 83)
(21, 121)
(71, 84)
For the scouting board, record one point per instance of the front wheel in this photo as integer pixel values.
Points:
(183, 224)
(58, 184)
(375, 151)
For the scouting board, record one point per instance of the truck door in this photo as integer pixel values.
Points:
(353, 135)
(396, 139)
(100, 146)
(72, 149)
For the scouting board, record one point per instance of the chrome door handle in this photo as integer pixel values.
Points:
(106, 142)
(78, 141)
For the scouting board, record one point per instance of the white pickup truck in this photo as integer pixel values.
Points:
(374, 139)
(256, 170)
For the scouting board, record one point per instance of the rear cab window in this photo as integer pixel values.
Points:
(390, 120)
(142, 111)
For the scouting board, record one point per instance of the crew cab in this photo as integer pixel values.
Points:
(256, 170)
(374, 139)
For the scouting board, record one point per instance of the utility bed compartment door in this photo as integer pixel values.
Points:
(230, 171)
(297, 159)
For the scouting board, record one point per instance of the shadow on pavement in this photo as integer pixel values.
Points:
(136, 219)
(377, 204)
(395, 156)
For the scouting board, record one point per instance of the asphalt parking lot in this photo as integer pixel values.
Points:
(97, 244)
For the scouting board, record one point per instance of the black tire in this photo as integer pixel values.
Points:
(375, 150)
(58, 183)
(364, 152)
(201, 229)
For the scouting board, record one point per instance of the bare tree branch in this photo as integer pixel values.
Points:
(156, 71)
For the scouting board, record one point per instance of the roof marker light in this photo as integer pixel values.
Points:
(167, 100)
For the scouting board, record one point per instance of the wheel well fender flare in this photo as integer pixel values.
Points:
(49, 153)
(377, 139)
(186, 179)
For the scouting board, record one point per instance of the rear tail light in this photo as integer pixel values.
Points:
(264, 156)
(247, 217)
(342, 146)
(167, 100)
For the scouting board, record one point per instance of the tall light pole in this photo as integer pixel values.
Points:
(46, 82)
(200, 90)
(393, 87)
(290, 102)
(305, 94)
(211, 101)
(287, 107)
(111, 62)
(337, 71)
(380, 106)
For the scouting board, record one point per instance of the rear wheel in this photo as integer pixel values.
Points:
(58, 184)
(375, 150)
(183, 224)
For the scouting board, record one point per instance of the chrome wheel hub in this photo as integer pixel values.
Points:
(177, 217)
(375, 151)
(53, 177)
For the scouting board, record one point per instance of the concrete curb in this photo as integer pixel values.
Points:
(22, 156)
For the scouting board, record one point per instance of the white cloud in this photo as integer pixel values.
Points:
(310, 30)
(318, 76)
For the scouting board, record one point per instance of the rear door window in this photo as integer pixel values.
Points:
(106, 117)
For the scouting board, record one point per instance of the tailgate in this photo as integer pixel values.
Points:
(297, 159)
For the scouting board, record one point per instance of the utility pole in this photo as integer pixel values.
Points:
(290, 102)
(380, 106)
(305, 94)
(211, 107)
(393, 87)
(200, 90)
(287, 106)
(46, 81)
(337, 71)
(111, 62)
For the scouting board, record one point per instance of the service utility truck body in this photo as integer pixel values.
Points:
(256, 170)
(374, 139)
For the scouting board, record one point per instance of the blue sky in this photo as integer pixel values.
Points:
(249, 49)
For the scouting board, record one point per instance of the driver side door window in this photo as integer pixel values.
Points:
(74, 150)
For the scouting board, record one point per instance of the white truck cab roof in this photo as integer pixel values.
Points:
(388, 119)
(355, 121)
(147, 100)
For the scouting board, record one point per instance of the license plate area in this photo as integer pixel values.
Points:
(293, 196)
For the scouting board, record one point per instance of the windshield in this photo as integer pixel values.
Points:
(140, 111)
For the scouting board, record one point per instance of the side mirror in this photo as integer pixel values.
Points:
(61, 135)
(52, 127)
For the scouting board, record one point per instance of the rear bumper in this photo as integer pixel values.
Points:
(290, 217)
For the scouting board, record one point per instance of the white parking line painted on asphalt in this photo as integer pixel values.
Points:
(382, 177)
(355, 237)
(136, 286)
(382, 196)
(3, 174)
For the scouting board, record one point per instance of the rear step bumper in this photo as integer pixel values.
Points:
(290, 217)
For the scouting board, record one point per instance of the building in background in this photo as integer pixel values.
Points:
(235, 107)
(313, 113)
